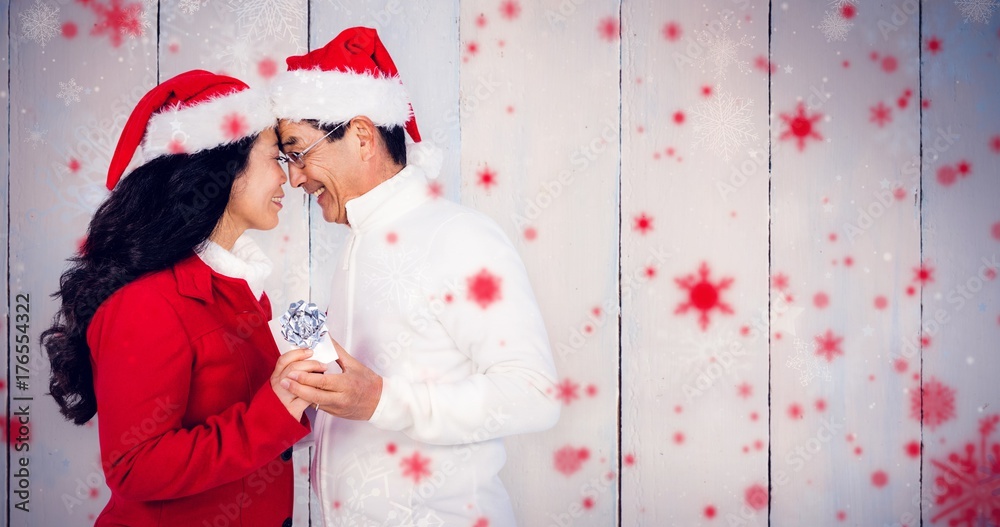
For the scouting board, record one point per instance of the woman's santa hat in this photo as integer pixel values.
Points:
(350, 76)
(194, 111)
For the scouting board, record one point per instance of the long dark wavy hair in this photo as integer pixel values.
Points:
(155, 217)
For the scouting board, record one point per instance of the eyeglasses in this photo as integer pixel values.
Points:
(297, 159)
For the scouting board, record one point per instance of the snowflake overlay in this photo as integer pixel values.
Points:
(367, 477)
(39, 23)
(395, 277)
(967, 483)
(69, 91)
(722, 124)
(263, 20)
(835, 27)
(721, 50)
(35, 137)
(190, 7)
(809, 365)
(977, 10)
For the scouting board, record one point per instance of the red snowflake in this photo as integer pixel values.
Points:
(703, 295)
(881, 114)
(745, 390)
(487, 177)
(643, 223)
(234, 126)
(481, 522)
(672, 31)
(923, 274)
(568, 459)
(435, 189)
(73, 165)
(484, 288)
(800, 126)
(779, 281)
(267, 67)
(828, 345)
(970, 481)
(934, 45)
(934, 402)
(995, 144)
(756, 497)
(472, 48)
(848, 11)
(510, 9)
(415, 466)
(567, 391)
(609, 29)
(117, 19)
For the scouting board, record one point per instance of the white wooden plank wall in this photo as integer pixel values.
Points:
(764, 235)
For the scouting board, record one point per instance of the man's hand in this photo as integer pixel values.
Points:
(353, 394)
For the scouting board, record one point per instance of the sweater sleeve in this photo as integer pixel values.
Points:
(142, 360)
(491, 314)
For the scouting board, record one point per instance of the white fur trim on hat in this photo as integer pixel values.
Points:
(426, 156)
(207, 125)
(333, 97)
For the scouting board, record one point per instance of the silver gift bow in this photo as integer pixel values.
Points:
(303, 324)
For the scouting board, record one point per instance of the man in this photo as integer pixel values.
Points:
(444, 350)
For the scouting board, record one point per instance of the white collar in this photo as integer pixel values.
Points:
(245, 261)
(389, 199)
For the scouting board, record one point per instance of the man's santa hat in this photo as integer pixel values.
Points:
(194, 111)
(350, 76)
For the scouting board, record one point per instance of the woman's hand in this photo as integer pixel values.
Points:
(294, 360)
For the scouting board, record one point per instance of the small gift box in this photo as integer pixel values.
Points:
(304, 326)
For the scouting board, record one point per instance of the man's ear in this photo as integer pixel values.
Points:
(365, 132)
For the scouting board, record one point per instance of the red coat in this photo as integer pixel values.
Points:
(191, 432)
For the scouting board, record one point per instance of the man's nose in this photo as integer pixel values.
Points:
(295, 176)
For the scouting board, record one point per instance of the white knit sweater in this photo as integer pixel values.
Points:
(434, 298)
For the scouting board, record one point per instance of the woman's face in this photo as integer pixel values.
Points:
(256, 196)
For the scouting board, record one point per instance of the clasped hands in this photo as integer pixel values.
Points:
(353, 394)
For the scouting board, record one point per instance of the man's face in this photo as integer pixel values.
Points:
(333, 171)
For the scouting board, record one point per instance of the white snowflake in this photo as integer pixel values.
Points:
(394, 277)
(838, 4)
(35, 137)
(692, 355)
(39, 23)
(264, 19)
(722, 124)
(809, 365)
(835, 27)
(977, 10)
(190, 7)
(69, 91)
(237, 55)
(721, 50)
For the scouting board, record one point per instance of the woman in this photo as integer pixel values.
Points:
(163, 325)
